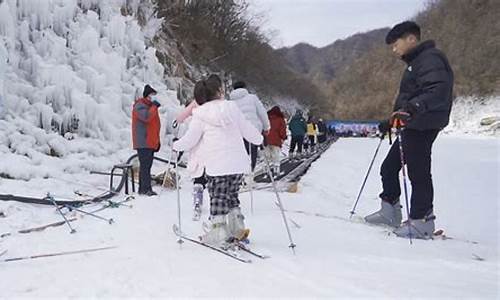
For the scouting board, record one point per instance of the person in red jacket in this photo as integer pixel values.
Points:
(146, 136)
(275, 138)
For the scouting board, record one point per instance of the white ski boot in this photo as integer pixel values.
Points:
(389, 214)
(276, 171)
(236, 224)
(218, 233)
(417, 228)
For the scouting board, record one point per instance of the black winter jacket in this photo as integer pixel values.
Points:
(427, 85)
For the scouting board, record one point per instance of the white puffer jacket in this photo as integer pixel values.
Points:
(215, 140)
(252, 108)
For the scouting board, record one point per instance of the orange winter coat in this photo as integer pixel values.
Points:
(145, 125)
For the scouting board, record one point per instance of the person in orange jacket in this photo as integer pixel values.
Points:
(275, 138)
(146, 136)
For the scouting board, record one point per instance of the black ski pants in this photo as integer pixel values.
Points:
(297, 141)
(145, 161)
(417, 148)
(201, 180)
(252, 151)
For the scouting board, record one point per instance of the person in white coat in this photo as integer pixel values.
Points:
(254, 111)
(215, 141)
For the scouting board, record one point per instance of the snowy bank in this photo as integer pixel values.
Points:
(473, 116)
(69, 73)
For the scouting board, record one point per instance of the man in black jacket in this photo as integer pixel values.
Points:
(423, 104)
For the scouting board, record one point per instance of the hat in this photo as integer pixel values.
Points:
(148, 90)
(239, 85)
(402, 29)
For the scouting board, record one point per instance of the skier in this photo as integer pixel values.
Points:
(275, 138)
(322, 131)
(424, 104)
(215, 139)
(254, 111)
(298, 128)
(146, 136)
(311, 133)
(182, 121)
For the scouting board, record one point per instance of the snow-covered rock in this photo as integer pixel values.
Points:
(73, 66)
(470, 115)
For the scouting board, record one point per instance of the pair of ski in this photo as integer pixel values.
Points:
(439, 234)
(231, 252)
(30, 257)
(111, 204)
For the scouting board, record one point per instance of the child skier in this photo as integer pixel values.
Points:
(275, 138)
(182, 121)
(215, 140)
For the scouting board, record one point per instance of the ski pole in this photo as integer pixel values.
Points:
(114, 204)
(117, 204)
(180, 241)
(167, 172)
(251, 180)
(56, 254)
(251, 191)
(51, 199)
(292, 245)
(70, 207)
(366, 177)
(398, 126)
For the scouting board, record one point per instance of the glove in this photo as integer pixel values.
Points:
(156, 103)
(384, 127)
(400, 115)
(175, 139)
(175, 124)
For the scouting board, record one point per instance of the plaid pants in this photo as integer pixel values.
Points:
(223, 191)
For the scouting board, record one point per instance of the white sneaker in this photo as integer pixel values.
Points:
(197, 194)
(196, 213)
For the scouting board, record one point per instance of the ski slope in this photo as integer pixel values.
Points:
(334, 257)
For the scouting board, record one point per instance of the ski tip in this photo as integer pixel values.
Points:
(175, 228)
(438, 232)
(477, 257)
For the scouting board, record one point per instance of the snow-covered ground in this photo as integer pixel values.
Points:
(468, 115)
(334, 257)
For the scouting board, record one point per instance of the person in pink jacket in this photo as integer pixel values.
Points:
(200, 182)
(215, 141)
(185, 113)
